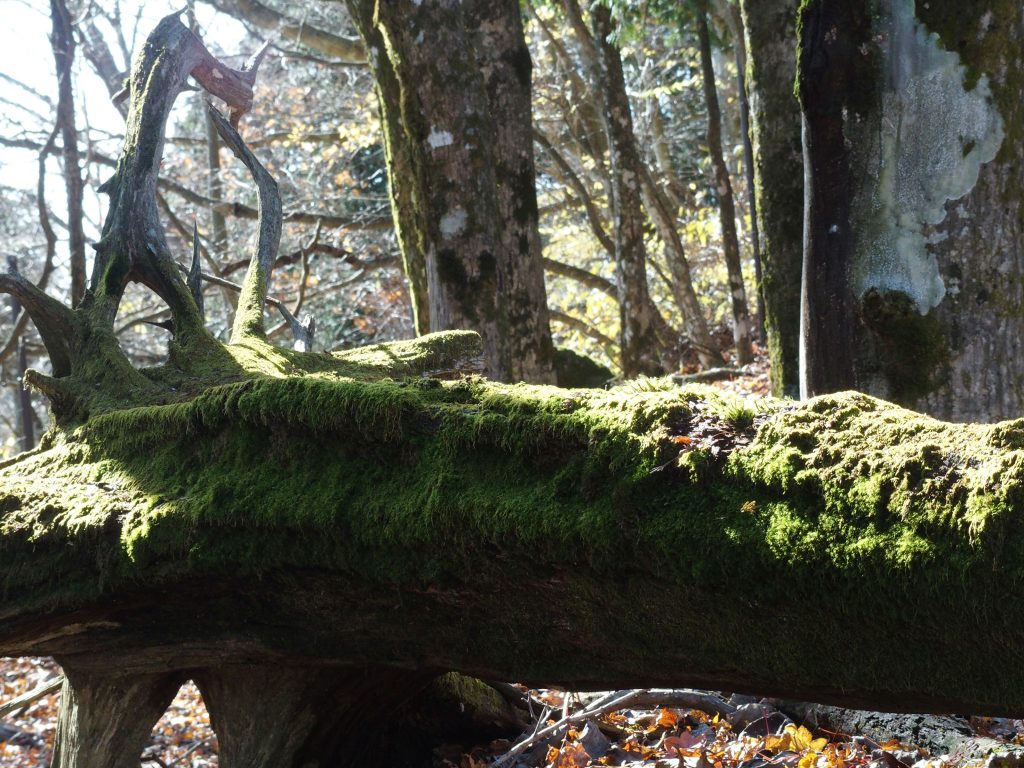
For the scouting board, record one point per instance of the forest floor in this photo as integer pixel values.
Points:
(565, 730)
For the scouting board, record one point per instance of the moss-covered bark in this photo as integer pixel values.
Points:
(458, 125)
(778, 174)
(290, 509)
(407, 215)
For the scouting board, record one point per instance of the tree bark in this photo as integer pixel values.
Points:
(106, 718)
(637, 337)
(293, 717)
(778, 180)
(913, 204)
(407, 215)
(741, 325)
(504, 59)
(735, 22)
(472, 173)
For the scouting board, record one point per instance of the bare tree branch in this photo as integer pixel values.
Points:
(568, 176)
(98, 53)
(340, 48)
(229, 208)
(607, 343)
(580, 275)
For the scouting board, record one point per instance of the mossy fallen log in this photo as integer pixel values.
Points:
(841, 550)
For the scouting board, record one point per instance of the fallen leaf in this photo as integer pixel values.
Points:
(572, 755)
(800, 739)
(684, 742)
(667, 718)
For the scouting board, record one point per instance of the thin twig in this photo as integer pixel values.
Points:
(21, 702)
(610, 703)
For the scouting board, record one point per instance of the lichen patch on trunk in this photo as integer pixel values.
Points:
(932, 130)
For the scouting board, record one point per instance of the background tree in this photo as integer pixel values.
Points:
(913, 245)
(465, 123)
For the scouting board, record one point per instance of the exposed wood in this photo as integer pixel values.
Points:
(105, 719)
(249, 317)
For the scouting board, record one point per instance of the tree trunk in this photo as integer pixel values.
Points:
(63, 43)
(778, 180)
(293, 717)
(106, 718)
(914, 212)
(637, 338)
(472, 174)
(504, 59)
(735, 22)
(741, 325)
(407, 215)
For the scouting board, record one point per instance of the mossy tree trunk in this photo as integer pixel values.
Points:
(407, 216)
(914, 268)
(459, 123)
(769, 26)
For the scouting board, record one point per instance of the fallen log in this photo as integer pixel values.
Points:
(853, 552)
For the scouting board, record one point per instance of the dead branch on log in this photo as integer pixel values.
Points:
(249, 318)
(53, 320)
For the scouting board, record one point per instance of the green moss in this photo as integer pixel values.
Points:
(846, 514)
(911, 348)
(575, 370)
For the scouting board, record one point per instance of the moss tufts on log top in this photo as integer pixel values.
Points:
(785, 541)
